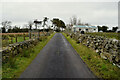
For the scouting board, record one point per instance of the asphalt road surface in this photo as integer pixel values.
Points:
(57, 59)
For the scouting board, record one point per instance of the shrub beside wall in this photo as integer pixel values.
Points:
(108, 49)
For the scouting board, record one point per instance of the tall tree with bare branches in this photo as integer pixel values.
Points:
(30, 23)
(73, 20)
(6, 24)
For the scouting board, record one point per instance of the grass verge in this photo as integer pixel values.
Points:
(100, 67)
(18, 64)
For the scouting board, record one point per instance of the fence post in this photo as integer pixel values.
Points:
(16, 38)
(29, 34)
(34, 34)
(38, 34)
(24, 37)
(11, 40)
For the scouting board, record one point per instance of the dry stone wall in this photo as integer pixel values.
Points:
(17, 48)
(108, 49)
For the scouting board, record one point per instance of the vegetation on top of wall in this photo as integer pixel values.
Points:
(107, 35)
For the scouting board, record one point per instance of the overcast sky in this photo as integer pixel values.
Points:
(95, 13)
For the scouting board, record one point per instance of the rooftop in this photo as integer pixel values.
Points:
(82, 26)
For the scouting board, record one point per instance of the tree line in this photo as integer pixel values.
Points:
(56, 22)
(105, 29)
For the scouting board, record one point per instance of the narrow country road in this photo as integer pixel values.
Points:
(57, 60)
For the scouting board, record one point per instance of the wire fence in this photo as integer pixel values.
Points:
(11, 38)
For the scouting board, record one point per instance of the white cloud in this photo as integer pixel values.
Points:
(60, 0)
(97, 13)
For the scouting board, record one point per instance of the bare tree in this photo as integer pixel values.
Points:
(73, 20)
(30, 23)
(79, 21)
(87, 24)
(6, 24)
(45, 20)
(36, 23)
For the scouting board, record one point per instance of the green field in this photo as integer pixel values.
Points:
(8, 38)
(100, 67)
(19, 39)
(8, 41)
(108, 35)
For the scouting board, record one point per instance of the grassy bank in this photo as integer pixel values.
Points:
(17, 65)
(101, 68)
(108, 35)
(19, 39)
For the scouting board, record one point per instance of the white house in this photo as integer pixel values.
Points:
(118, 30)
(84, 28)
